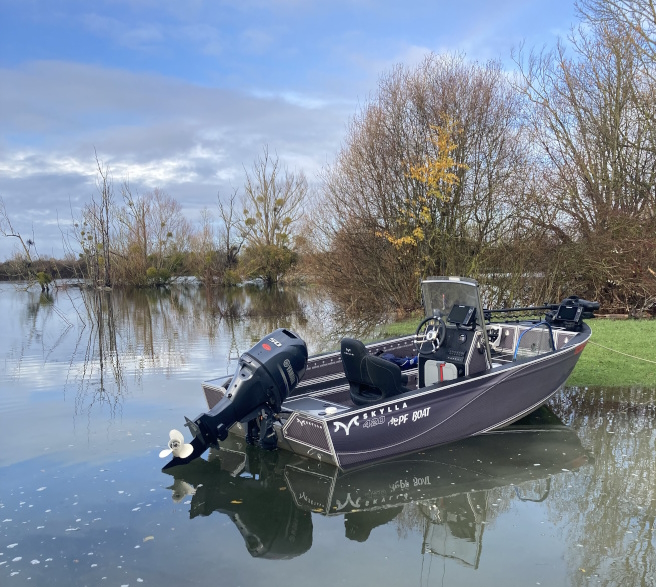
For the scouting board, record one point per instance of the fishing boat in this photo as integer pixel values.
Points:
(453, 490)
(466, 371)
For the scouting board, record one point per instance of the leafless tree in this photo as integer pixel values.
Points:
(7, 230)
(272, 200)
(152, 235)
(231, 240)
(92, 231)
(596, 149)
(636, 17)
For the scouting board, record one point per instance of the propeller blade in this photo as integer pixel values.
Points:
(181, 489)
(178, 446)
(198, 447)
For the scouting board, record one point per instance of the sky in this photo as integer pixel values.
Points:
(184, 95)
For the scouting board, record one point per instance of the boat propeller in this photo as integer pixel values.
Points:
(177, 446)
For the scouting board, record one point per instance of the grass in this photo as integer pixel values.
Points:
(601, 367)
(597, 365)
(407, 326)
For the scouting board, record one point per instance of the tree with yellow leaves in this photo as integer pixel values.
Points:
(419, 222)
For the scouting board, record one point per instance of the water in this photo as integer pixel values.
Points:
(91, 383)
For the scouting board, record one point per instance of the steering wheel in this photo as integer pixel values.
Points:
(430, 334)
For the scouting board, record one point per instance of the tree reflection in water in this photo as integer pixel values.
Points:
(611, 510)
(99, 375)
(110, 339)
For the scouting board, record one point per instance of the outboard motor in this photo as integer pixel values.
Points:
(266, 375)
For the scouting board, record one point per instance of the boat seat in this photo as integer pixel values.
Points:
(371, 379)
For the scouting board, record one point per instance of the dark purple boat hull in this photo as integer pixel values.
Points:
(430, 416)
(449, 413)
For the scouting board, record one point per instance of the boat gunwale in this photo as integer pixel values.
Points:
(514, 367)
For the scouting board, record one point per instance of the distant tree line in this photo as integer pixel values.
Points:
(540, 183)
(125, 238)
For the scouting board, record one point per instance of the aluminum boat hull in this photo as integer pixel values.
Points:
(319, 422)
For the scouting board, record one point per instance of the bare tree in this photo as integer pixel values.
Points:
(230, 242)
(203, 258)
(600, 149)
(636, 17)
(272, 200)
(92, 230)
(592, 118)
(152, 237)
(273, 203)
(7, 230)
(24, 265)
(101, 216)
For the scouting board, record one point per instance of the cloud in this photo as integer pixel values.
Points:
(155, 131)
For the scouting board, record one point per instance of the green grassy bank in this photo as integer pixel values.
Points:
(601, 367)
(597, 365)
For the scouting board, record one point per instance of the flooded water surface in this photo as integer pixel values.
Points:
(91, 383)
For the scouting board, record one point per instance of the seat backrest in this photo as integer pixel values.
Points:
(370, 378)
(385, 376)
(353, 357)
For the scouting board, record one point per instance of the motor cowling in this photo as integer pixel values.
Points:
(266, 375)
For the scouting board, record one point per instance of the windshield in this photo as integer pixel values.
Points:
(441, 294)
(456, 300)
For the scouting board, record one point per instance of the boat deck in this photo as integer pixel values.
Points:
(324, 390)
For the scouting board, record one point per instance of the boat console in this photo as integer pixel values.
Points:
(451, 342)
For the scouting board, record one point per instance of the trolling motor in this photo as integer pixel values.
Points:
(266, 375)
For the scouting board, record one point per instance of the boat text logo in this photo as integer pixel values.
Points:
(347, 427)
(290, 371)
(371, 422)
(309, 423)
(348, 501)
(373, 418)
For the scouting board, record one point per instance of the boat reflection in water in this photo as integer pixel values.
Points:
(271, 496)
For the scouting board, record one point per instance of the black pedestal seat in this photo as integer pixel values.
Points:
(370, 378)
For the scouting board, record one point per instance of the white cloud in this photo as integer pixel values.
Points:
(191, 141)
